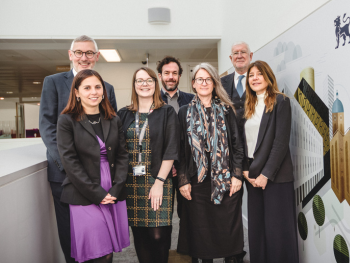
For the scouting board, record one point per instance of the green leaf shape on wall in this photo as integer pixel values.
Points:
(318, 210)
(302, 226)
(341, 251)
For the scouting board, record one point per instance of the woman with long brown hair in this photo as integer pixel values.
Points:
(151, 129)
(91, 145)
(268, 169)
(210, 173)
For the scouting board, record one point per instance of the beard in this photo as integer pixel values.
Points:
(168, 88)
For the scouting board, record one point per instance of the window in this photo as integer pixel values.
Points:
(336, 166)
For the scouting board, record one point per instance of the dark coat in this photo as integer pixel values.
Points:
(184, 98)
(54, 98)
(187, 166)
(163, 131)
(79, 151)
(238, 102)
(272, 154)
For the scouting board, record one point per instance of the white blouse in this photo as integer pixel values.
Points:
(252, 125)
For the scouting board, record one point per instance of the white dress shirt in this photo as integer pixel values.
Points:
(74, 72)
(252, 125)
(243, 80)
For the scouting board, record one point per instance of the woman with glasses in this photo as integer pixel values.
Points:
(210, 172)
(91, 145)
(151, 130)
(268, 169)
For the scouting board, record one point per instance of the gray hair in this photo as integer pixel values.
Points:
(218, 88)
(241, 43)
(84, 38)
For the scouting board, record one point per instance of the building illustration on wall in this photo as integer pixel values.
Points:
(330, 83)
(318, 113)
(340, 154)
(306, 146)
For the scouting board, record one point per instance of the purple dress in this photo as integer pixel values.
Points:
(98, 230)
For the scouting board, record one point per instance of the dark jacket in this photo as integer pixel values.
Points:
(184, 98)
(272, 155)
(54, 98)
(238, 102)
(187, 166)
(79, 150)
(163, 131)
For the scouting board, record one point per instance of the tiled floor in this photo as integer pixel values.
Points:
(129, 255)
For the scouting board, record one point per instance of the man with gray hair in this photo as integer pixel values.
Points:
(54, 97)
(234, 83)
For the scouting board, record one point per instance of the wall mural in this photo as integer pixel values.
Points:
(312, 66)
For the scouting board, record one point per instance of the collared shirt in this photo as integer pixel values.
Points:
(172, 101)
(243, 80)
(74, 72)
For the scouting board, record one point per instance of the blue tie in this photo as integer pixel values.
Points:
(240, 86)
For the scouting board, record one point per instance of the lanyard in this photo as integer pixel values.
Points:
(141, 134)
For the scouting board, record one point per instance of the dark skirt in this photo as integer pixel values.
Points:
(211, 231)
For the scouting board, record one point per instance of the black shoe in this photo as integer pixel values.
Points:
(195, 260)
(236, 258)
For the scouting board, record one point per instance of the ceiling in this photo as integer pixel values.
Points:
(23, 62)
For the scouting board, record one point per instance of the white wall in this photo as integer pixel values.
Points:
(28, 224)
(259, 22)
(107, 19)
(31, 116)
(27, 219)
(256, 22)
(120, 76)
(7, 110)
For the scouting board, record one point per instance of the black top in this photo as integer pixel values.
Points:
(164, 134)
(187, 166)
(95, 121)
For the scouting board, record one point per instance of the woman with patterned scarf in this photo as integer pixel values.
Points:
(210, 173)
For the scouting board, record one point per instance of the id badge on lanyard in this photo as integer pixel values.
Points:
(140, 169)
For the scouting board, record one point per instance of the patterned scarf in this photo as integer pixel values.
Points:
(212, 138)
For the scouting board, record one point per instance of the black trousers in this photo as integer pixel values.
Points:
(63, 221)
(272, 223)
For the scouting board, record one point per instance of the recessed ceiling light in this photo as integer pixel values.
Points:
(9, 92)
(38, 104)
(110, 55)
(2, 98)
(36, 82)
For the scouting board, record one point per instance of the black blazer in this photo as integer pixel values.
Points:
(184, 98)
(80, 154)
(164, 134)
(187, 167)
(54, 98)
(272, 155)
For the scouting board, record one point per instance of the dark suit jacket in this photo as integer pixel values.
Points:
(229, 85)
(163, 132)
(187, 166)
(79, 151)
(54, 98)
(184, 98)
(272, 155)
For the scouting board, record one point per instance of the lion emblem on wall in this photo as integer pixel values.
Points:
(342, 31)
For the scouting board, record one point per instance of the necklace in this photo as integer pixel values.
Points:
(96, 122)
